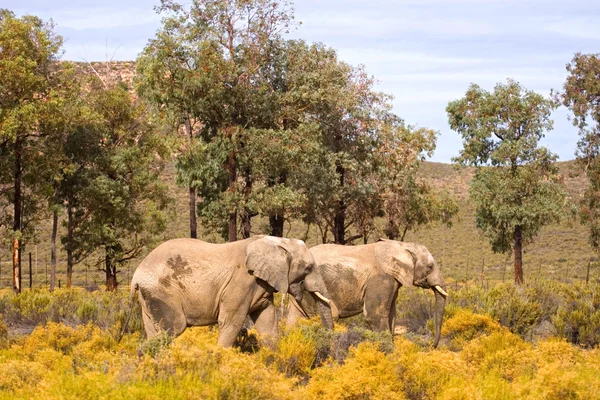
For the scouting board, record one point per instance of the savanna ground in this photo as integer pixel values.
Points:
(539, 341)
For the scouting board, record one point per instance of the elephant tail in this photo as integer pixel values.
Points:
(134, 288)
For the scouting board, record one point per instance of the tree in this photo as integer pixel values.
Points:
(406, 201)
(28, 52)
(65, 111)
(582, 97)
(516, 188)
(115, 199)
(221, 45)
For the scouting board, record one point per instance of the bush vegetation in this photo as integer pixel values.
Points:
(492, 348)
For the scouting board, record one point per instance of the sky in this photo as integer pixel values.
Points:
(425, 53)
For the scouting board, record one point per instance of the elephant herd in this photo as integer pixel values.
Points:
(188, 282)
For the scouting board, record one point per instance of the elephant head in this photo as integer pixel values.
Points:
(287, 266)
(412, 264)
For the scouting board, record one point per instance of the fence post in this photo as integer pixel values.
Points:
(482, 269)
(587, 275)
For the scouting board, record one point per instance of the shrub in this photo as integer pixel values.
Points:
(414, 308)
(578, 318)
(153, 347)
(3, 333)
(514, 308)
(502, 353)
(367, 374)
(464, 326)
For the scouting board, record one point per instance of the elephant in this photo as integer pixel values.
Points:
(366, 278)
(189, 282)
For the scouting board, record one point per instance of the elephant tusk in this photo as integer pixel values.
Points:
(320, 296)
(442, 291)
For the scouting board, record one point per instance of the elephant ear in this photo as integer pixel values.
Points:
(396, 260)
(266, 259)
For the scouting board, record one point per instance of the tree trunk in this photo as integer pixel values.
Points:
(518, 254)
(276, 224)
(110, 269)
(193, 223)
(192, 190)
(18, 206)
(70, 228)
(231, 167)
(53, 240)
(391, 230)
(247, 217)
(276, 219)
(339, 221)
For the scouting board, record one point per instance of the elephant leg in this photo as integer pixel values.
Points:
(265, 321)
(159, 315)
(380, 302)
(232, 315)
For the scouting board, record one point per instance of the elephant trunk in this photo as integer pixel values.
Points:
(324, 311)
(438, 314)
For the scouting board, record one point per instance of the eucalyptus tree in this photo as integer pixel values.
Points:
(221, 45)
(29, 49)
(516, 188)
(581, 96)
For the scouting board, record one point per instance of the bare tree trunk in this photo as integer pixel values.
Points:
(193, 223)
(192, 190)
(110, 269)
(518, 254)
(276, 220)
(17, 201)
(53, 240)
(404, 233)
(339, 221)
(232, 169)
(391, 230)
(276, 224)
(247, 217)
(70, 228)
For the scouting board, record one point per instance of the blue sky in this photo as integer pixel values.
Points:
(423, 52)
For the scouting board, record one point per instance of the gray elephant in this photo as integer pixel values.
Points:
(188, 282)
(366, 279)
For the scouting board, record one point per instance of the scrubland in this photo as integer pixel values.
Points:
(539, 341)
